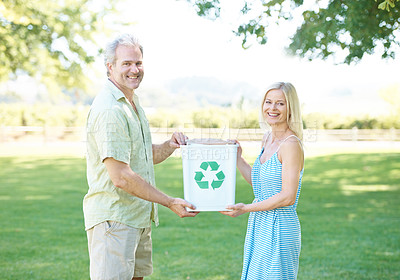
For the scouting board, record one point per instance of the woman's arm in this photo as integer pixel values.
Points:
(291, 156)
(243, 166)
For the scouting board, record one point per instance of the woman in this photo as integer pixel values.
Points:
(273, 238)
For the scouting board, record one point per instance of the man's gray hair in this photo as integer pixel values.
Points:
(123, 39)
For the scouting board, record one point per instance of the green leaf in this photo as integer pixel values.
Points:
(382, 6)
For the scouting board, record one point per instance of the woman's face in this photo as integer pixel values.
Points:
(275, 107)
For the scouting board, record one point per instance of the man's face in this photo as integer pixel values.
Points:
(127, 71)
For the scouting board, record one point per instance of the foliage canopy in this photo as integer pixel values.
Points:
(49, 40)
(358, 27)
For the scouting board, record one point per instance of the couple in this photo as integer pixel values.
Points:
(122, 201)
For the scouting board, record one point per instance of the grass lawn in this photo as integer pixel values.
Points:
(349, 211)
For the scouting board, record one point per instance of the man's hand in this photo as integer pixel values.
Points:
(237, 210)
(163, 151)
(177, 139)
(178, 205)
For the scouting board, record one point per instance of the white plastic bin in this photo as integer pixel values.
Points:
(209, 175)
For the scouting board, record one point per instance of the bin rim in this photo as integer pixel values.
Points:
(209, 145)
(209, 142)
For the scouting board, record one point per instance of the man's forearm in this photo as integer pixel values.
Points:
(124, 178)
(161, 152)
(135, 185)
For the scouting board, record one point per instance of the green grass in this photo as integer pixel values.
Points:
(349, 211)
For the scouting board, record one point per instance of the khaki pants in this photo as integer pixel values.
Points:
(119, 252)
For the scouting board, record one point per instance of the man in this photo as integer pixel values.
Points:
(120, 203)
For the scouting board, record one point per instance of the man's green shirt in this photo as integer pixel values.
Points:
(115, 130)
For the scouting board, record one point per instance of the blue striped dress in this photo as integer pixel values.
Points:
(273, 238)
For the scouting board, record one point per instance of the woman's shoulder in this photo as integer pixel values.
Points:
(291, 151)
(292, 138)
(291, 144)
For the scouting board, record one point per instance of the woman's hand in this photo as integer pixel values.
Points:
(237, 210)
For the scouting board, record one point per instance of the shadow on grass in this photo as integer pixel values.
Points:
(350, 218)
(42, 232)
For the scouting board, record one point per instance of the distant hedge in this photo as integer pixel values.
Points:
(42, 114)
(324, 121)
(210, 117)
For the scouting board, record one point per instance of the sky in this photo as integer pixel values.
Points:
(178, 43)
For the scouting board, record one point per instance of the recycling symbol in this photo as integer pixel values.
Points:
(213, 167)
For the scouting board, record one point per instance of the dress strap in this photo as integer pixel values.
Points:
(301, 144)
(266, 138)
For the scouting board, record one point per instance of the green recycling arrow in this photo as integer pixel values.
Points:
(220, 175)
(216, 184)
(204, 165)
(214, 166)
(199, 176)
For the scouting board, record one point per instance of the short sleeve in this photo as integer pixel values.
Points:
(112, 136)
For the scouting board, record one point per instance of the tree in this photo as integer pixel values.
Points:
(49, 40)
(387, 4)
(357, 27)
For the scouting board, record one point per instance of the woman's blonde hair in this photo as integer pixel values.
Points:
(293, 117)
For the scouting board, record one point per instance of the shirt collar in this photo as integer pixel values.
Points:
(116, 92)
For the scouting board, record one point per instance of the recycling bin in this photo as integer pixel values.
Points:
(209, 174)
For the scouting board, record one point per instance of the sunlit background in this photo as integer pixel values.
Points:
(197, 74)
(196, 62)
